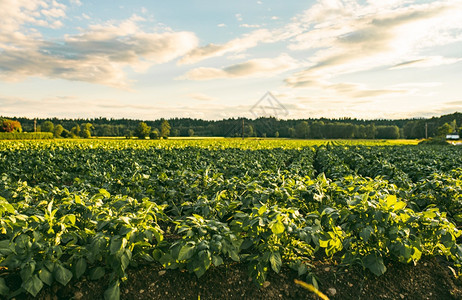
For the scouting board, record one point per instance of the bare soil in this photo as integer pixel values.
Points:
(431, 278)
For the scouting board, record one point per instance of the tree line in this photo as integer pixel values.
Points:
(344, 128)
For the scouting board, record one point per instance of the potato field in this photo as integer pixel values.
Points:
(96, 210)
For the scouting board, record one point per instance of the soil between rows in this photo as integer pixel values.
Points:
(431, 278)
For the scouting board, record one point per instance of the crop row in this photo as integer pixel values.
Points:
(93, 209)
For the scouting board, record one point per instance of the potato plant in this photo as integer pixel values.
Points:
(74, 209)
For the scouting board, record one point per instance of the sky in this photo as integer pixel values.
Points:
(140, 59)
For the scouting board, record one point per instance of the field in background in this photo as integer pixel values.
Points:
(95, 208)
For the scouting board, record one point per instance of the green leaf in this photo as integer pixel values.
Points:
(399, 205)
(71, 219)
(275, 261)
(46, 276)
(49, 207)
(5, 249)
(262, 210)
(186, 252)
(302, 269)
(278, 227)
(116, 245)
(365, 234)
(375, 264)
(6, 207)
(4, 290)
(62, 275)
(97, 273)
(28, 270)
(104, 193)
(233, 254)
(80, 267)
(157, 254)
(391, 200)
(33, 285)
(124, 261)
(113, 292)
(77, 199)
(200, 270)
(217, 260)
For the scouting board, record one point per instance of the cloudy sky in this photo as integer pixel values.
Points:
(216, 59)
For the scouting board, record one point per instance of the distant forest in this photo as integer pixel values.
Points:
(344, 128)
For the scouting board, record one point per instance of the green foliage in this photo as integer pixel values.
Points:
(445, 129)
(47, 126)
(434, 141)
(344, 128)
(143, 130)
(25, 135)
(75, 131)
(154, 135)
(86, 130)
(58, 130)
(165, 129)
(302, 130)
(80, 209)
(387, 132)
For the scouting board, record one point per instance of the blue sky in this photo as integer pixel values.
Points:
(216, 59)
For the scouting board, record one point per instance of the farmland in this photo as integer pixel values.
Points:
(97, 209)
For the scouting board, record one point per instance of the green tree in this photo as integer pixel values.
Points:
(142, 130)
(317, 129)
(248, 130)
(58, 131)
(445, 129)
(66, 133)
(291, 132)
(175, 132)
(276, 134)
(154, 135)
(164, 129)
(302, 130)
(47, 126)
(371, 131)
(75, 131)
(191, 132)
(128, 134)
(86, 130)
(387, 132)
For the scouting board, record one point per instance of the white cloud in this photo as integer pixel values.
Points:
(98, 54)
(426, 62)
(238, 17)
(221, 25)
(201, 97)
(259, 67)
(237, 45)
(418, 84)
(346, 37)
(54, 12)
(346, 89)
(250, 26)
(76, 2)
(15, 13)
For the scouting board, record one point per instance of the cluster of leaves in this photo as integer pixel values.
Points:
(92, 208)
(73, 235)
(25, 135)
